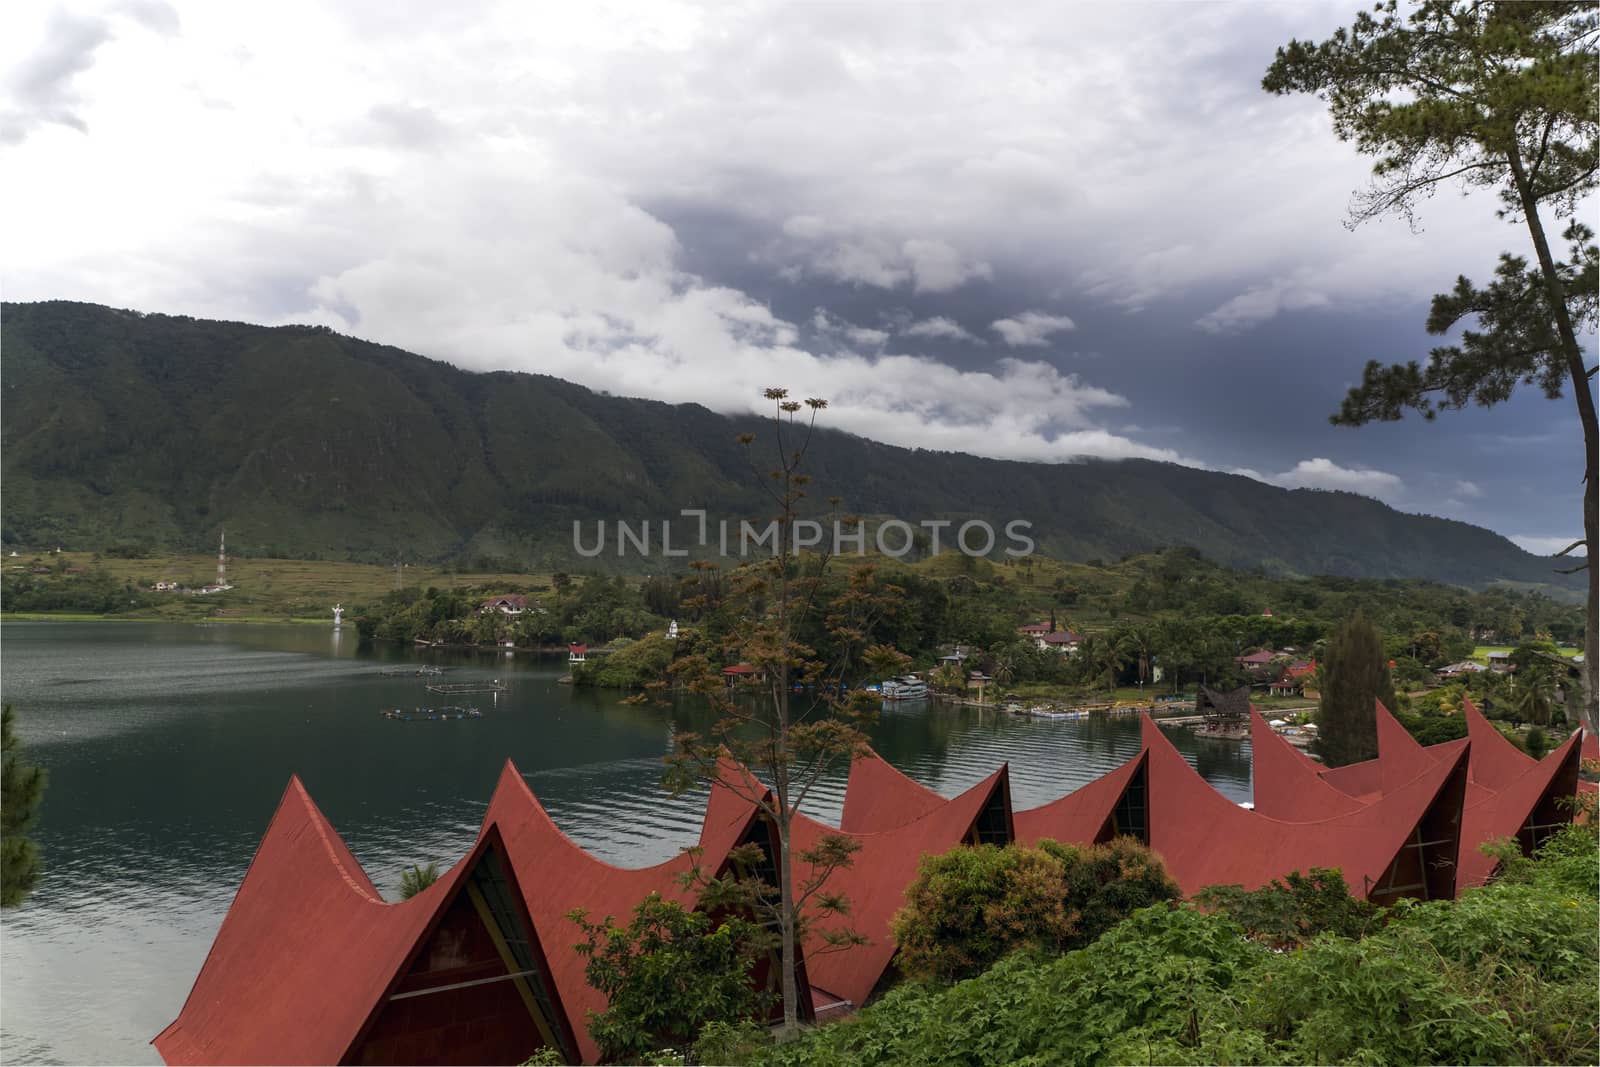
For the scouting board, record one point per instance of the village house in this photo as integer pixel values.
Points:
(509, 604)
(1293, 683)
(1063, 641)
(1256, 661)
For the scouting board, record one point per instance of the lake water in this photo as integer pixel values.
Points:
(168, 747)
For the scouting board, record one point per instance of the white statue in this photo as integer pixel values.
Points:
(338, 613)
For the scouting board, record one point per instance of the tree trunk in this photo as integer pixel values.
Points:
(1556, 296)
(786, 924)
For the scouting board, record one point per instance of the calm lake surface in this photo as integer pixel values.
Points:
(169, 746)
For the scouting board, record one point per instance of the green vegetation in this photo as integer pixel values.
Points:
(1507, 974)
(970, 907)
(417, 877)
(1292, 912)
(303, 443)
(21, 793)
(670, 974)
(1502, 95)
(1354, 675)
(805, 637)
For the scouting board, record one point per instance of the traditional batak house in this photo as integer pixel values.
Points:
(311, 965)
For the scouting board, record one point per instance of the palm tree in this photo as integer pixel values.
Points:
(1105, 656)
(417, 878)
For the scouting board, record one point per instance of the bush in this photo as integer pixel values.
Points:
(1283, 915)
(1107, 883)
(668, 975)
(972, 906)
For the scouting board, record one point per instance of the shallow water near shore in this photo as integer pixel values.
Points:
(168, 747)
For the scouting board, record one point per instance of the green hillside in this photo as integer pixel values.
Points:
(123, 428)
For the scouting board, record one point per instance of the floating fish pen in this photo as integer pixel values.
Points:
(447, 688)
(430, 714)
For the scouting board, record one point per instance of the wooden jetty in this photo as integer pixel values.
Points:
(466, 687)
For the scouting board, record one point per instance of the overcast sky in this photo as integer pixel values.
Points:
(1044, 233)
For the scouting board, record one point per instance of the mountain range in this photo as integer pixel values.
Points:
(125, 428)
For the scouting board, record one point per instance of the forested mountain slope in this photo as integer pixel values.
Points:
(122, 427)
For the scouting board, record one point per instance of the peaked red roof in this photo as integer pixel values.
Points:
(1508, 794)
(306, 954)
(558, 875)
(1206, 839)
(1083, 816)
(1288, 784)
(875, 883)
(1526, 808)
(1497, 762)
(878, 796)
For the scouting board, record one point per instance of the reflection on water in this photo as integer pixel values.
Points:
(168, 747)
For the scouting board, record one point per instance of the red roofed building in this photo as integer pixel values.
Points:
(312, 965)
(508, 604)
(1115, 804)
(875, 882)
(1508, 793)
(1402, 845)
(879, 797)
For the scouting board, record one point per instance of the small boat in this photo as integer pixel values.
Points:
(908, 688)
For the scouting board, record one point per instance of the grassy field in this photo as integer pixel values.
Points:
(267, 590)
(1481, 653)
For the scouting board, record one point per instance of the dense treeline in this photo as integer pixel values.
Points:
(1144, 616)
(91, 591)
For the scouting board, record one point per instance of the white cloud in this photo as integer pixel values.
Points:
(939, 326)
(1259, 304)
(938, 267)
(1468, 490)
(1547, 546)
(1031, 328)
(1322, 473)
(830, 325)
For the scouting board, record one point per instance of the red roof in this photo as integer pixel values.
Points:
(1289, 784)
(1083, 816)
(578, 650)
(1507, 791)
(879, 797)
(740, 669)
(1035, 628)
(309, 951)
(875, 883)
(1206, 839)
(1061, 637)
(1257, 658)
(306, 954)
(560, 875)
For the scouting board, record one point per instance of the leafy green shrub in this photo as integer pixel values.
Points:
(1283, 915)
(668, 975)
(972, 906)
(1107, 883)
